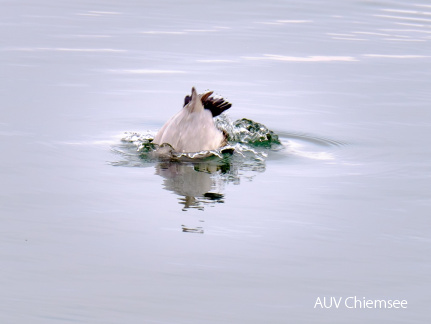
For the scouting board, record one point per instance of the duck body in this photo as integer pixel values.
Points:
(192, 129)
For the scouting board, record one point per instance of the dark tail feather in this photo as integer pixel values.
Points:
(187, 100)
(215, 105)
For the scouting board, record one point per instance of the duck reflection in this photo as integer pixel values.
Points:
(198, 184)
(199, 181)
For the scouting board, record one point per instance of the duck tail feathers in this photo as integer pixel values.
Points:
(216, 105)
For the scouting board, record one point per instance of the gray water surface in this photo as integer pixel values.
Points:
(91, 233)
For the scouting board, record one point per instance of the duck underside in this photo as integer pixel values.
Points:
(191, 132)
(192, 129)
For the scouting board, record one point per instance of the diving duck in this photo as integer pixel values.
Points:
(192, 129)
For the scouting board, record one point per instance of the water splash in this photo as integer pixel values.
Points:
(248, 132)
(247, 141)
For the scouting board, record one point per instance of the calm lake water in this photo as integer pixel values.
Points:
(92, 233)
